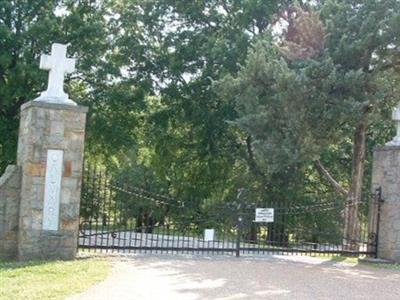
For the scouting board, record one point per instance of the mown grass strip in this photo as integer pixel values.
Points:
(49, 279)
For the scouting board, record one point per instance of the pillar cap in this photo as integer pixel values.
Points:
(77, 108)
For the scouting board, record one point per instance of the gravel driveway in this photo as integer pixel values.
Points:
(250, 278)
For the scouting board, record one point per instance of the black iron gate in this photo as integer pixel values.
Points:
(120, 218)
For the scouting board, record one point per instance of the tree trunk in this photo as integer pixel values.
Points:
(139, 221)
(277, 234)
(351, 218)
(251, 235)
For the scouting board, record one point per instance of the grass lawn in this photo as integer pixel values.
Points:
(359, 261)
(49, 279)
(388, 266)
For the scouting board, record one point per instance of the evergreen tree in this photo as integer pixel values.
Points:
(297, 103)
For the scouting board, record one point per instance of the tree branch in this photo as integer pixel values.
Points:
(325, 173)
(250, 159)
(385, 67)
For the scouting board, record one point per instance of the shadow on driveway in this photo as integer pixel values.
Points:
(252, 278)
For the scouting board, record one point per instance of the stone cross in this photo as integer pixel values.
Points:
(396, 118)
(58, 65)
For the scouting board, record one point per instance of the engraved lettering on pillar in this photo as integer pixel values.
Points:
(52, 190)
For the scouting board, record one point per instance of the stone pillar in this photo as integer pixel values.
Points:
(10, 185)
(386, 174)
(50, 155)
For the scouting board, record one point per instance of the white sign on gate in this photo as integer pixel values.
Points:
(209, 235)
(264, 215)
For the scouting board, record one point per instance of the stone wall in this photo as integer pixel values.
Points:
(386, 174)
(45, 126)
(9, 207)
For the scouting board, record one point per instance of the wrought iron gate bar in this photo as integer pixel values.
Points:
(117, 217)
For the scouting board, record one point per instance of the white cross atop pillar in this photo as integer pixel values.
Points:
(58, 65)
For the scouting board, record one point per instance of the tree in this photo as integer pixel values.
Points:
(362, 51)
(177, 49)
(27, 29)
(297, 107)
(20, 80)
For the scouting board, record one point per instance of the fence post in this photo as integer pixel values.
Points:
(238, 234)
(240, 201)
(379, 200)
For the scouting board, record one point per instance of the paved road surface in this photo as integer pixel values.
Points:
(251, 278)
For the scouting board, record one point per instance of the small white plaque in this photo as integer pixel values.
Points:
(264, 215)
(209, 234)
(52, 189)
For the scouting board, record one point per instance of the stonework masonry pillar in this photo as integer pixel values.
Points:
(10, 184)
(386, 174)
(50, 156)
